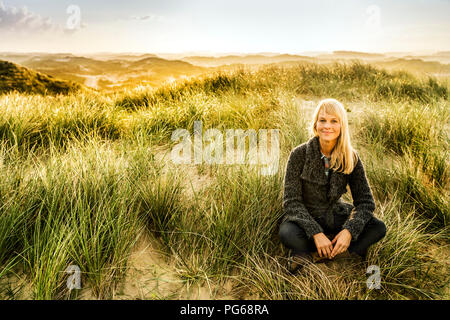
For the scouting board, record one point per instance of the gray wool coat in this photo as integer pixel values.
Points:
(312, 201)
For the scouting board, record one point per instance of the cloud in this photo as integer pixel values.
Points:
(22, 20)
(150, 17)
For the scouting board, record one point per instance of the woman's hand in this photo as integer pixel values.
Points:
(323, 245)
(341, 242)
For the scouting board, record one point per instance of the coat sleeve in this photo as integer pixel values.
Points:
(363, 202)
(293, 206)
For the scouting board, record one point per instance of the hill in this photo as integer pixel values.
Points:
(14, 77)
(357, 54)
(244, 59)
(118, 72)
(415, 65)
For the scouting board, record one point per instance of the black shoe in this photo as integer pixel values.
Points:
(298, 261)
(356, 258)
(318, 259)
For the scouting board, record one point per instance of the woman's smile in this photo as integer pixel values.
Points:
(328, 126)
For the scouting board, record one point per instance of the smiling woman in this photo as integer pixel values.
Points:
(317, 174)
(328, 129)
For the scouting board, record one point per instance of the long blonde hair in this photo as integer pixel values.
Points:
(343, 156)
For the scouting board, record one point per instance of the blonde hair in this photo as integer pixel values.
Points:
(343, 156)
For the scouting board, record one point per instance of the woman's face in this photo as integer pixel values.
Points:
(328, 126)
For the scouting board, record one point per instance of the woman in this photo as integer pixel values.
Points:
(317, 174)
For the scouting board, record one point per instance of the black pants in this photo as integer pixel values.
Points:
(295, 238)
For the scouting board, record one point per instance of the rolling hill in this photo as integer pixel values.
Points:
(115, 72)
(118, 71)
(244, 59)
(14, 77)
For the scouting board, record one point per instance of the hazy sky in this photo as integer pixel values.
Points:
(224, 26)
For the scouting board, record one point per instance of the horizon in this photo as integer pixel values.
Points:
(224, 54)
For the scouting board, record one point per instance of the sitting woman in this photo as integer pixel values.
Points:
(317, 174)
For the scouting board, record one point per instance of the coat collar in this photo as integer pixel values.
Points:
(314, 171)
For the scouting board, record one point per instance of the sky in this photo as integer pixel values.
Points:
(231, 26)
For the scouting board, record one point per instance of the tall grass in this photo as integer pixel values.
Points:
(404, 254)
(238, 214)
(243, 99)
(80, 182)
(417, 139)
(81, 208)
(35, 122)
